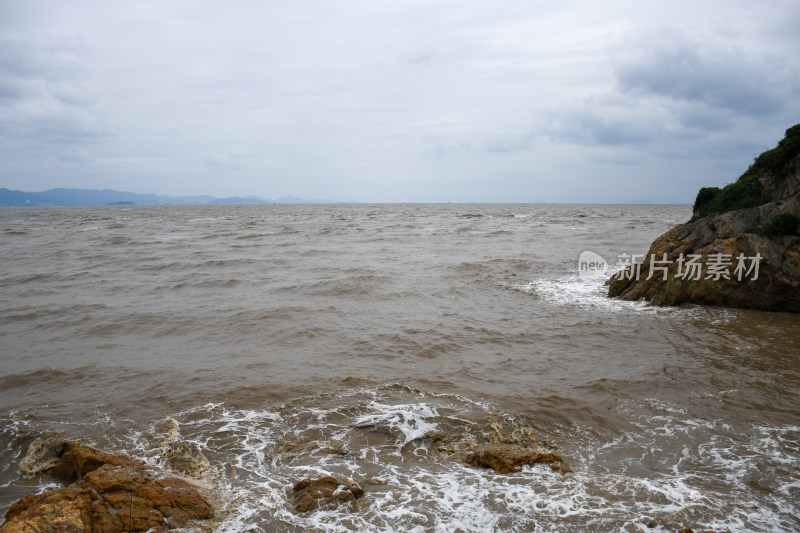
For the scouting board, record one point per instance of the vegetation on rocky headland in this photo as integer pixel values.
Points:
(748, 191)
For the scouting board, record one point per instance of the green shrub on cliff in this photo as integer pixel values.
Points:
(746, 191)
(783, 224)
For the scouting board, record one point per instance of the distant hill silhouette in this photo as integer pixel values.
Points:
(88, 197)
(238, 200)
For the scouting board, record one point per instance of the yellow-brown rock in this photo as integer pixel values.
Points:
(109, 495)
(325, 491)
(505, 461)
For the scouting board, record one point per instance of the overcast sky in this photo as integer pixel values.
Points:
(395, 101)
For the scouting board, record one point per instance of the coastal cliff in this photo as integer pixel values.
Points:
(740, 249)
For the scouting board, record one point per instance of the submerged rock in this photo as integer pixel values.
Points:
(176, 453)
(109, 494)
(186, 458)
(506, 461)
(325, 491)
(741, 248)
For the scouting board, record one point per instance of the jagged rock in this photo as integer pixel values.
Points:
(505, 461)
(719, 233)
(76, 460)
(326, 490)
(109, 495)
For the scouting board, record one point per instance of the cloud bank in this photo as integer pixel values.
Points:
(402, 101)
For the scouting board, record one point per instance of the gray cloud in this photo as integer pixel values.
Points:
(412, 100)
(605, 120)
(587, 128)
(44, 96)
(735, 79)
(704, 119)
(53, 60)
(685, 99)
(11, 89)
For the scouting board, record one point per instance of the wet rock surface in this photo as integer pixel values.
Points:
(777, 287)
(505, 461)
(326, 491)
(109, 494)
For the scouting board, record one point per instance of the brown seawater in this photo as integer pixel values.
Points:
(273, 343)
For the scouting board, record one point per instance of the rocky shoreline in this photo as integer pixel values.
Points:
(741, 248)
(110, 494)
(106, 494)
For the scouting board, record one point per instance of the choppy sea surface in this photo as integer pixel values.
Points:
(250, 347)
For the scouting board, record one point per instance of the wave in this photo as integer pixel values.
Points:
(405, 446)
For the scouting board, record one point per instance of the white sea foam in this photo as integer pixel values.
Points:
(572, 291)
(409, 420)
(256, 465)
(258, 454)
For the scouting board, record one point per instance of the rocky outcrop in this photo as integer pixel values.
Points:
(732, 253)
(326, 491)
(505, 461)
(109, 494)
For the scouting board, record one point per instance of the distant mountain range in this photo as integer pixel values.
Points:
(63, 197)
